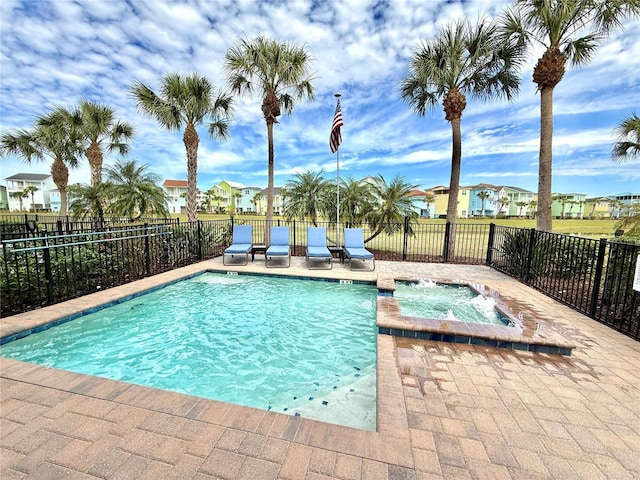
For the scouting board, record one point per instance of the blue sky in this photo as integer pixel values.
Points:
(59, 52)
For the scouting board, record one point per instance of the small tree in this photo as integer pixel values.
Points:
(31, 190)
(428, 199)
(504, 201)
(20, 196)
(483, 197)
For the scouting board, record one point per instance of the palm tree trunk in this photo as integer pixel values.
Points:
(191, 141)
(544, 221)
(94, 155)
(269, 216)
(454, 182)
(60, 175)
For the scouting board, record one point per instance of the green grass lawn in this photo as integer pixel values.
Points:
(584, 228)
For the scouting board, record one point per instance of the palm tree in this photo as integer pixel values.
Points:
(462, 60)
(53, 137)
(392, 206)
(256, 199)
(428, 199)
(100, 130)
(504, 201)
(280, 73)
(134, 191)
(185, 102)
(20, 195)
(615, 205)
(31, 190)
(307, 195)
(520, 207)
(88, 200)
(532, 205)
(356, 201)
(570, 31)
(483, 195)
(213, 197)
(628, 145)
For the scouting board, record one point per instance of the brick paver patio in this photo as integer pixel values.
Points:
(444, 410)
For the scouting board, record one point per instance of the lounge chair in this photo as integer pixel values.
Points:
(241, 243)
(317, 246)
(354, 247)
(280, 246)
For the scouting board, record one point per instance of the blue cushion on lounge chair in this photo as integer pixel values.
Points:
(238, 248)
(354, 246)
(241, 242)
(317, 244)
(280, 246)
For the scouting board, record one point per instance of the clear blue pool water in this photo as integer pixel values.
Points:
(294, 346)
(428, 299)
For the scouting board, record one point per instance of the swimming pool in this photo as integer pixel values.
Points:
(305, 348)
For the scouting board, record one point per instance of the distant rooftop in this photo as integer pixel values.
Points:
(28, 176)
(175, 183)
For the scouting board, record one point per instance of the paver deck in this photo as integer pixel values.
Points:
(444, 410)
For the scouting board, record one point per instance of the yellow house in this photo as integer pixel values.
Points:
(598, 207)
(278, 202)
(440, 200)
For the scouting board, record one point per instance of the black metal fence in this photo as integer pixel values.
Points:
(593, 276)
(14, 226)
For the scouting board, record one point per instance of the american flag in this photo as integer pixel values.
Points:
(336, 137)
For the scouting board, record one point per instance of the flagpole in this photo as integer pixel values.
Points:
(337, 95)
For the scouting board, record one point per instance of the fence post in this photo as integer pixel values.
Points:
(294, 238)
(47, 270)
(602, 248)
(147, 253)
(492, 234)
(406, 238)
(199, 239)
(445, 250)
(532, 240)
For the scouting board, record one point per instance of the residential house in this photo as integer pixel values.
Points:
(231, 192)
(54, 197)
(598, 207)
(440, 196)
(625, 203)
(246, 203)
(215, 199)
(483, 200)
(176, 191)
(40, 200)
(419, 203)
(568, 205)
(278, 202)
(521, 202)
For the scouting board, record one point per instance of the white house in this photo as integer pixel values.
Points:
(38, 199)
(176, 192)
